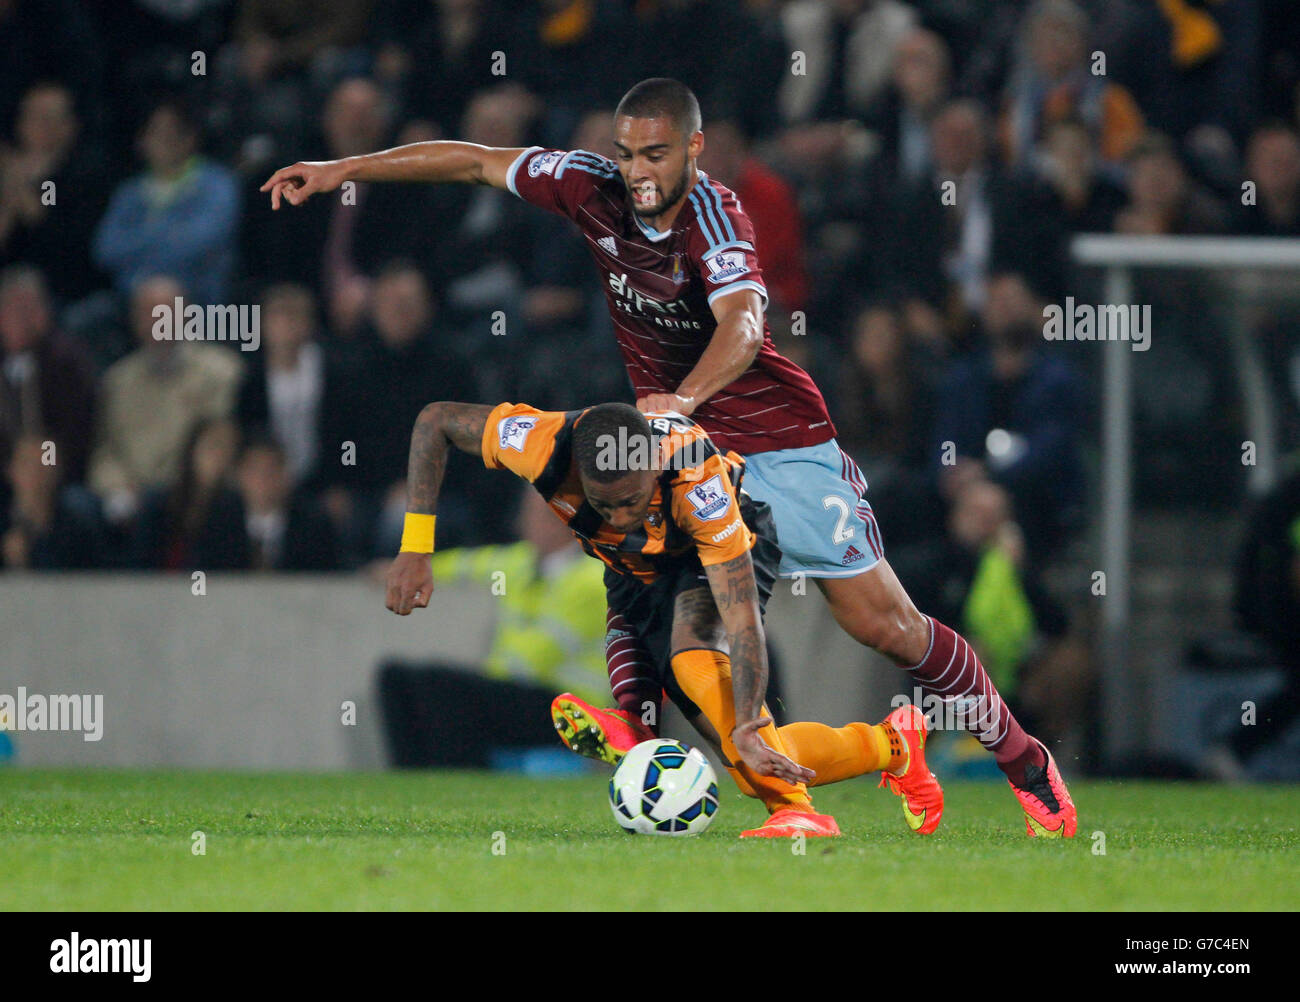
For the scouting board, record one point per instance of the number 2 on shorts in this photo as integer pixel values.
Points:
(842, 531)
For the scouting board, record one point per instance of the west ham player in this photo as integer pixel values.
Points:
(676, 255)
(689, 562)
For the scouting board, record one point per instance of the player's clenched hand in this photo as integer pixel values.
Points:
(410, 583)
(656, 402)
(762, 758)
(299, 182)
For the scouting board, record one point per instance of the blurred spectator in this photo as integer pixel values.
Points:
(151, 402)
(52, 193)
(845, 51)
(944, 230)
(257, 111)
(285, 531)
(444, 52)
(1080, 198)
(1162, 198)
(357, 120)
(595, 132)
(847, 46)
(564, 310)
(49, 40)
(44, 523)
(884, 406)
(571, 50)
(276, 36)
(180, 217)
(884, 412)
(395, 372)
(559, 276)
(196, 523)
(283, 389)
(399, 367)
(850, 208)
(920, 85)
(983, 40)
(771, 206)
(337, 243)
(158, 47)
(980, 575)
(1069, 196)
(733, 58)
(1011, 413)
(482, 253)
(1273, 163)
(47, 382)
(1280, 65)
(1054, 80)
(1197, 66)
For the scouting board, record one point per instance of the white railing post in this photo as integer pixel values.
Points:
(1120, 737)
(1123, 698)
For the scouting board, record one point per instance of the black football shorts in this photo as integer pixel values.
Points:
(648, 608)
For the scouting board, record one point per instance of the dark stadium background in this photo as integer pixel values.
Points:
(838, 124)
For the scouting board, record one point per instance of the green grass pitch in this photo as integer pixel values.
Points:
(123, 840)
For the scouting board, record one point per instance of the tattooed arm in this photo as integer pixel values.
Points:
(735, 592)
(437, 429)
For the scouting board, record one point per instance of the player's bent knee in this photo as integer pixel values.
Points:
(894, 632)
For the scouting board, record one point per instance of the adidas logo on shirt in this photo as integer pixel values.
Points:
(608, 245)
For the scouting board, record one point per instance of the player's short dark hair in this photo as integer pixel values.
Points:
(662, 97)
(606, 442)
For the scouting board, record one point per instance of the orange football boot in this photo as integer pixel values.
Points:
(920, 792)
(788, 822)
(606, 735)
(1049, 811)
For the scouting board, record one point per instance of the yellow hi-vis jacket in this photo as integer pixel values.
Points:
(549, 631)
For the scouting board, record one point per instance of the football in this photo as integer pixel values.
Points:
(663, 787)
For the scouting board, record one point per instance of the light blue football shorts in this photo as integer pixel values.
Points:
(817, 494)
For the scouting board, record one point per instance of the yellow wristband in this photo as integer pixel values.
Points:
(417, 533)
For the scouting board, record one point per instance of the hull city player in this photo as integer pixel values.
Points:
(677, 258)
(690, 559)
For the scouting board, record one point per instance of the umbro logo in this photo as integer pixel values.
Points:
(609, 245)
(851, 556)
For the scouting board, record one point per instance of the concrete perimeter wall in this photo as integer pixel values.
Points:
(253, 674)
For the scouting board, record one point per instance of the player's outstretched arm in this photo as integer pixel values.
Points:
(735, 592)
(436, 161)
(439, 427)
(731, 350)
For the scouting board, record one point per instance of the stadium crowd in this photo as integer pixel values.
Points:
(138, 131)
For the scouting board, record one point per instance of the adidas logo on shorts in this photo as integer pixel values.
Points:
(851, 556)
